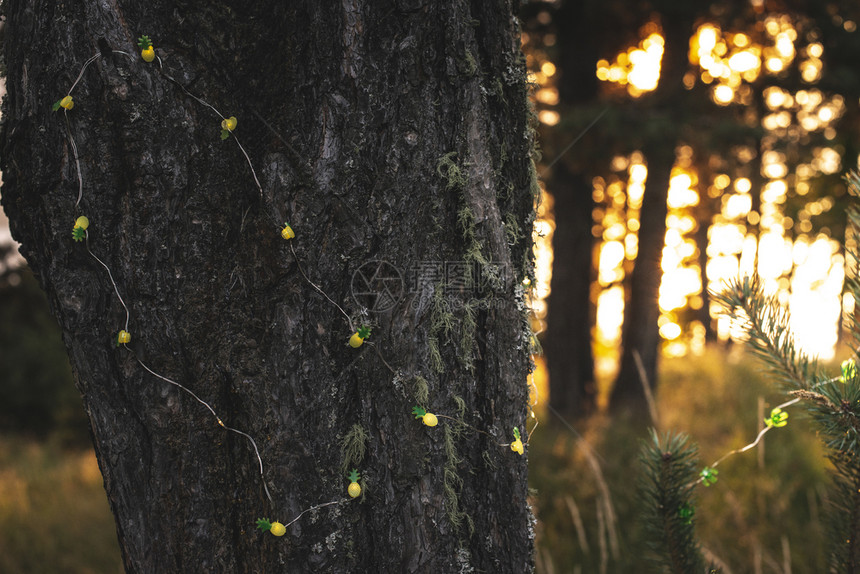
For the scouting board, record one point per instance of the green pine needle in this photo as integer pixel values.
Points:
(766, 323)
(667, 492)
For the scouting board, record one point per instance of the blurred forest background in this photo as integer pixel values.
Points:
(683, 144)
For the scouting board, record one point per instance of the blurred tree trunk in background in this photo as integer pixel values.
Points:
(664, 115)
(640, 335)
(382, 131)
(568, 341)
(568, 349)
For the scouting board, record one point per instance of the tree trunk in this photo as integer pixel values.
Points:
(568, 342)
(388, 132)
(663, 130)
(570, 360)
(640, 336)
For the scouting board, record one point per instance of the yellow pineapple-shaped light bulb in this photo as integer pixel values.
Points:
(80, 228)
(229, 123)
(123, 337)
(357, 338)
(428, 419)
(66, 103)
(276, 528)
(147, 51)
(517, 445)
(287, 232)
(354, 489)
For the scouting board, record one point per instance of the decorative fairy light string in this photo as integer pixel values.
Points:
(89, 61)
(228, 126)
(116, 287)
(110, 276)
(220, 422)
(778, 418)
(317, 287)
(760, 435)
(220, 115)
(317, 507)
(75, 155)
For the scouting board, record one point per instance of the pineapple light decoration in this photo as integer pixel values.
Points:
(428, 419)
(79, 231)
(147, 51)
(517, 445)
(357, 338)
(287, 232)
(276, 528)
(354, 489)
(227, 126)
(66, 103)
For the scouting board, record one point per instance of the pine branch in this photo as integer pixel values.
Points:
(769, 337)
(853, 282)
(667, 492)
(835, 407)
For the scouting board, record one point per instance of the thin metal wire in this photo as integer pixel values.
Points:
(254, 173)
(75, 154)
(317, 507)
(758, 438)
(89, 61)
(211, 410)
(220, 115)
(116, 288)
(531, 432)
(110, 275)
(315, 286)
(763, 431)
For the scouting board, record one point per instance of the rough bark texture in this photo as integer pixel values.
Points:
(381, 130)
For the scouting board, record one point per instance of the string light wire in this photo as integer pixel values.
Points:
(110, 276)
(116, 290)
(763, 431)
(116, 287)
(214, 414)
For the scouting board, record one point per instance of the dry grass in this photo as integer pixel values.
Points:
(54, 514)
(763, 515)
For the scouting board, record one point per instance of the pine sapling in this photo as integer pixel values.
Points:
(670, 475)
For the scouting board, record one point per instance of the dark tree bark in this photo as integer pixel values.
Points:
(382, 131)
